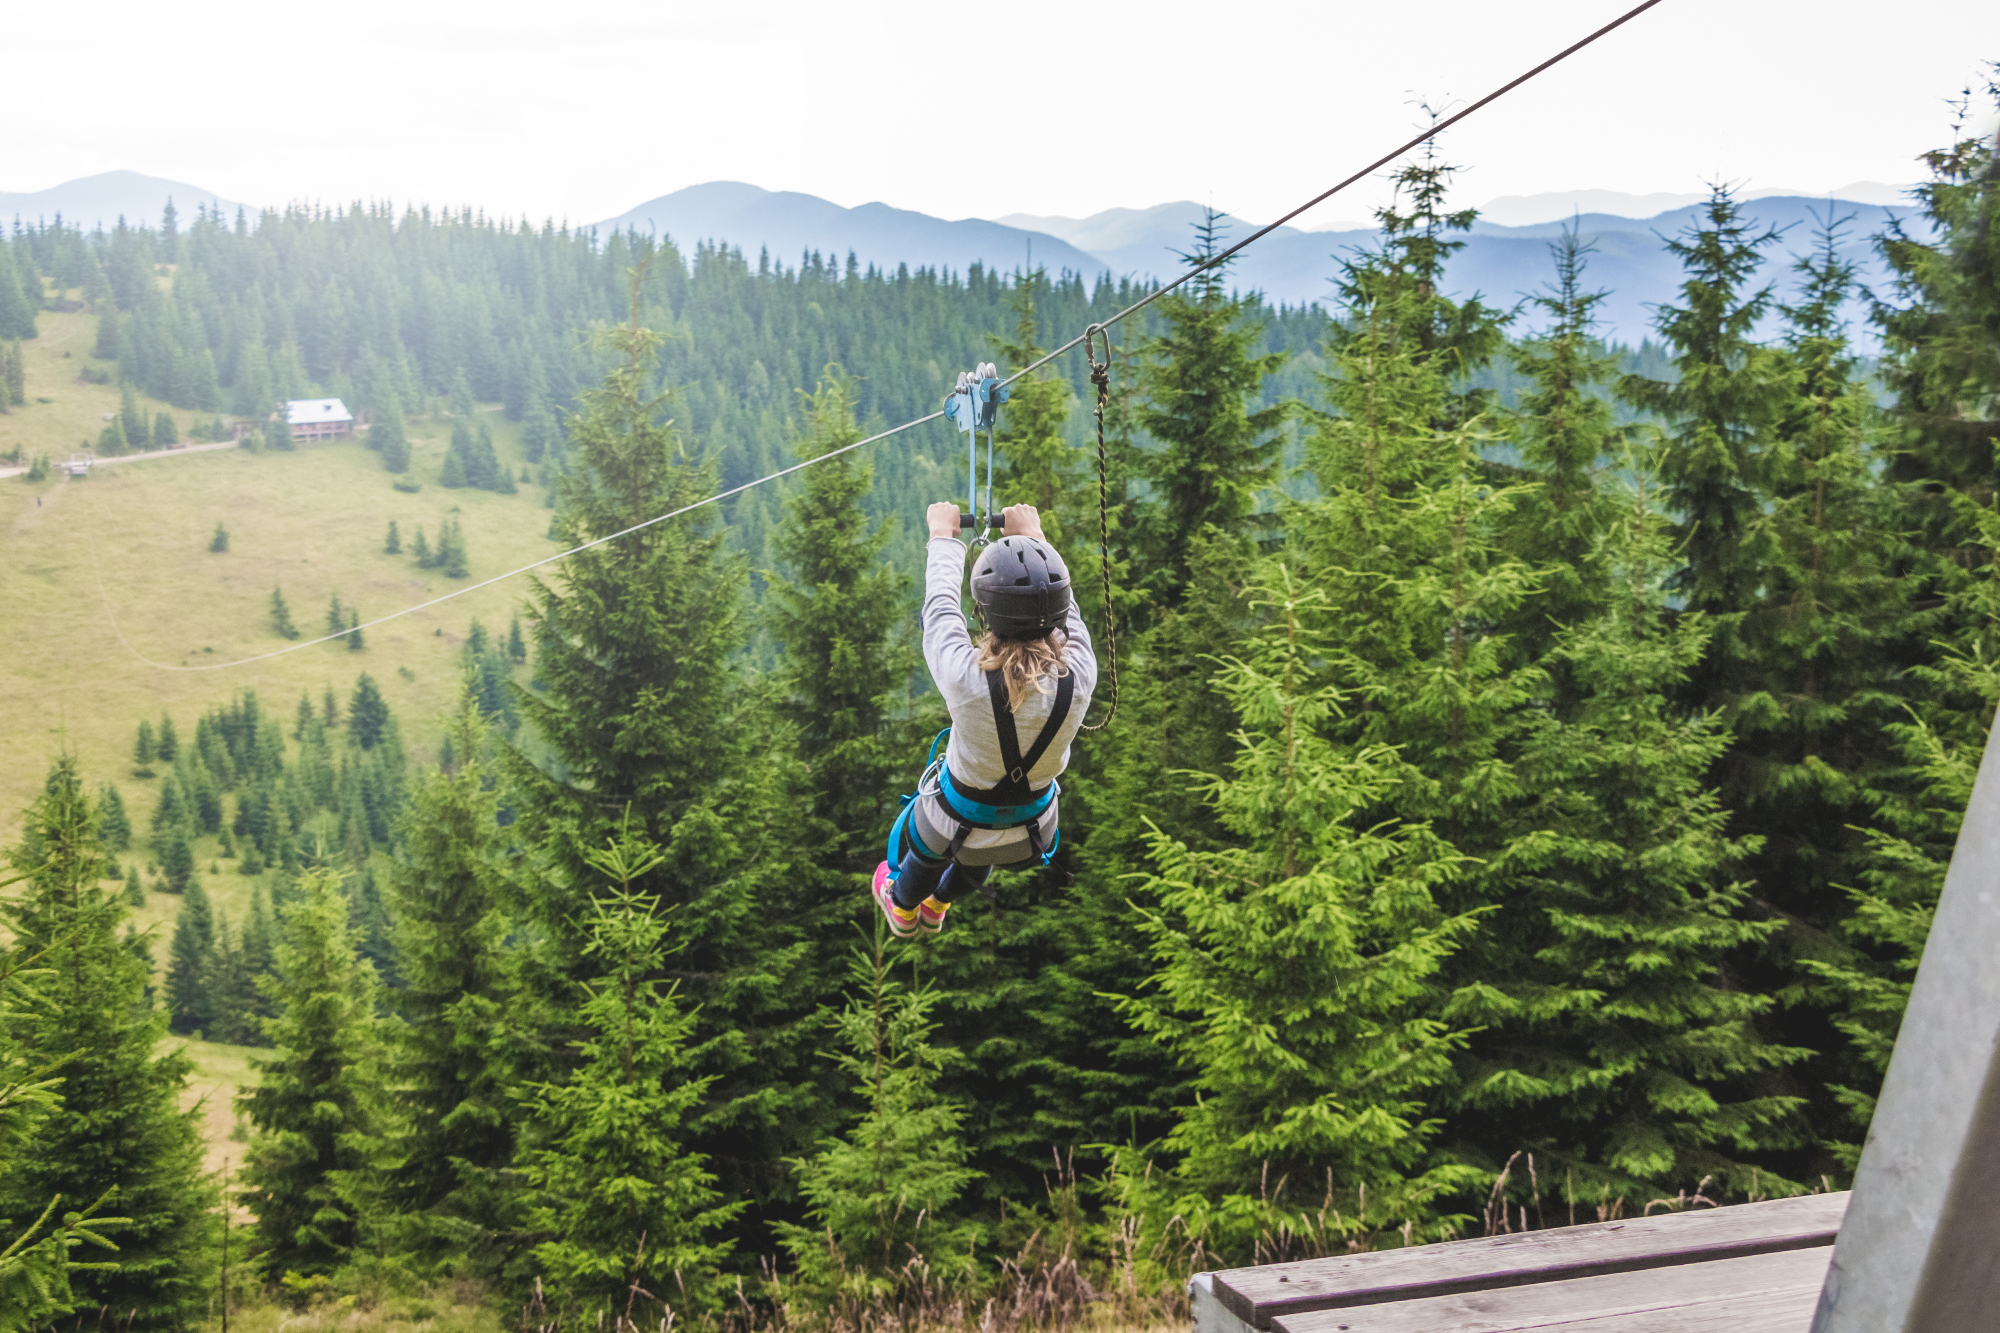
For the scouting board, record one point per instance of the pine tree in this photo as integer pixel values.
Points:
(1617, 1047)
(449, 1061)
(490, 474)
(657, 720)
(538, 428)
(17, 312)
(190, 1007)
(1315, 926)
(354, 640)
(832, 616)
(281, 615)
(114, 825)
(453, 476)
(169, 742)
(517, 647)
(1939, 333)
(367, 713)
(1564, 428)
(165, 434)
(394, 544)
(220, 541)
(135, 892)
(1040, 461)
(232, 993)
(16, 375)
(336, 617)
(1941, 329)
(1215, 453)
(144, 749)
(608, 1156)
(421, 549)
(390, 437)
(1721, 411)
(278, 431)
(451, 557)
(174, 811)
(121, 1135)
(176, 859)
(319, 1099)
(877, 1194)
(1817, 680)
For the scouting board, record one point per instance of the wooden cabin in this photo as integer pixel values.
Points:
(318, 419)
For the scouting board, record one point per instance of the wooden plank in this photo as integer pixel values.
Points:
(1765, 1293)
(1259, 1295)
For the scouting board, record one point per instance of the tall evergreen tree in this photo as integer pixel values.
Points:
(17, 312)
(281, 615)
(388, 436)
(449, 1060)
(882, 1191)
(623, 1200)
(1294, 962)
(1618, 1045)
(190, 1004)
(1941, 335)
(1215, 451)
(121, 1135)
(1720, 412)
(635, 642)
(114, 825)
(318, 1102)
(832, 615)
(1040, 461)
(1564, 429)
(367, 713)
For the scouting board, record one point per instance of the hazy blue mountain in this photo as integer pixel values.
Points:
(788, 224)
(1503, 263)
(1520, 210)
(110, 195)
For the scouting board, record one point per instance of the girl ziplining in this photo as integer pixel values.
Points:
(1016, 698)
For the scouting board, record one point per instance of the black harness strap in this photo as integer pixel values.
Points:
(1013, 789)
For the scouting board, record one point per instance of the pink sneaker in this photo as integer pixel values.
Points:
(930, 915)
(902, 924)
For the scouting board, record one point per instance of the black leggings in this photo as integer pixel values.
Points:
(921, 878)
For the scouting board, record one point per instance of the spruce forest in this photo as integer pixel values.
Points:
(1534, 765)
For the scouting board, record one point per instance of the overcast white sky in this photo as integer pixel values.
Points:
(581, 111)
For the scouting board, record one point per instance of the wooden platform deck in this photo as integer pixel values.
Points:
(1753, 1268)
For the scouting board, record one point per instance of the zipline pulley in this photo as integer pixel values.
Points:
(975, 406)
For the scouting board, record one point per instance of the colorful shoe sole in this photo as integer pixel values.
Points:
(930, 919)
(900, 926)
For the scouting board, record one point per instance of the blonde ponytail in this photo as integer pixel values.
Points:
(1025, 664)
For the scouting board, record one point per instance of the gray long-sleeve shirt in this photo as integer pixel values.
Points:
(974, 752)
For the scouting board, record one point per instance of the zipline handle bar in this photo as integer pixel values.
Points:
(966, 520)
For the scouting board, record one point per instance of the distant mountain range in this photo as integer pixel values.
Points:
(101, 200)
(789, 224)
(1505, 259)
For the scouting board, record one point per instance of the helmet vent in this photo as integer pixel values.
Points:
(1023, 581)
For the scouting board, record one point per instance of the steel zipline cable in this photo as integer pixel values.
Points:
(1193, 272)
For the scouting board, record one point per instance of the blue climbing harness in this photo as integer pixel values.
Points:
(1005, 805)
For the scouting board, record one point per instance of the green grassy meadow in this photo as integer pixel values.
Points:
(218, 1072)
(112, 595)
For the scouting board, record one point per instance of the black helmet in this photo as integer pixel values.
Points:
(1020, 587)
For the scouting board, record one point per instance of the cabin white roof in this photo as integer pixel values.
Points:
(315, 411)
